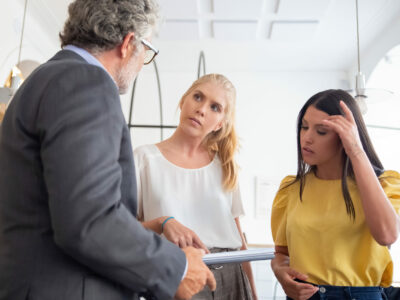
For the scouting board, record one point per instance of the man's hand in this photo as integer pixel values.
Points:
(197, 275)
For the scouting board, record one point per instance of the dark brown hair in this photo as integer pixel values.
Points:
(328, 101)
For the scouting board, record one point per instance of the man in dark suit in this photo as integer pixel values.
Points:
(67, 181)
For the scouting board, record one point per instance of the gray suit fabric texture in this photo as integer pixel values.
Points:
(68, 194)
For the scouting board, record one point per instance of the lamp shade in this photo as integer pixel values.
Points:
(17, 75)
(366, 96)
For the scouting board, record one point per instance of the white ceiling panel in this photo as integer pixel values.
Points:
(238, 8)
(179, 30)
(284, 31)
(271, 6)
(264, 26)
(177, 9)
(304, 8)
(235, 31)
(205, 6)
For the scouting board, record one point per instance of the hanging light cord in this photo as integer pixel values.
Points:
(159, 100)
(358, 39)
(22, 33)
(132, 98)
(161, 126)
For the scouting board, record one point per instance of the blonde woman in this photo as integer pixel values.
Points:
(187, 184)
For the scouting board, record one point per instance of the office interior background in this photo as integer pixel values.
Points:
(277, 53)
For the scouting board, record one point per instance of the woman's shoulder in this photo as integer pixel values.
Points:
(145, 150)
(287, 181)
(143, 154)
(288, 178)
(285, 190)
(390, 174)
(390, 182)
(390, 178)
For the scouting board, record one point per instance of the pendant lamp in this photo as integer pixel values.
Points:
(15, 78)
(361, 94)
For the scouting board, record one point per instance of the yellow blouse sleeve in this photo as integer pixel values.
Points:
(390, 181)
(279, 212)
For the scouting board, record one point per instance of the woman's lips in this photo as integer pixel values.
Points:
(195, 121)
(307, 151)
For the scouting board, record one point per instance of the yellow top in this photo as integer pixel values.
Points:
(322, 239)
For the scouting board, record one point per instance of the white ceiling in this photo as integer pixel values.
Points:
(275, 34)
(240, 20)
(254, 35)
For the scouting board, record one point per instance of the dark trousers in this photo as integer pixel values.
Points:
(392, 293)
(328, 292)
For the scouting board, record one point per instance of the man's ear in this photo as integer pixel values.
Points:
(127, 43)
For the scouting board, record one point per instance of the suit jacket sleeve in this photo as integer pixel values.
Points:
(81, 127)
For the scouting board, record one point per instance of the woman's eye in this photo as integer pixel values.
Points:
(303, 127)
(321, 132)
(215, 107)
(197, 97)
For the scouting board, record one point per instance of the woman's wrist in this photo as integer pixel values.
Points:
(166, 219)
(359, 159)
(355, 151)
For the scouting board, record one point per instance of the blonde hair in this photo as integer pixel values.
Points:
(224, 141)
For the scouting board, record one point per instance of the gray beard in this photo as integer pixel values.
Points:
(126, 75)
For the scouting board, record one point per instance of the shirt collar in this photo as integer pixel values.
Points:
(85, 55)
(90, 59)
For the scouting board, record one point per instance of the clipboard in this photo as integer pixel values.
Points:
(239, 256)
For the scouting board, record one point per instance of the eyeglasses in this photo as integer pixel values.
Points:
(150, 53)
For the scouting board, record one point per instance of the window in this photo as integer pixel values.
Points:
(383, 121)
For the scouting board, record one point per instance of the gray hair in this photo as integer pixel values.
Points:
(101, 25)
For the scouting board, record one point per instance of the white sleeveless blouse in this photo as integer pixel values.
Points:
(195, 197)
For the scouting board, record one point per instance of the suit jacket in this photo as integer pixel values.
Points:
(68, 194)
